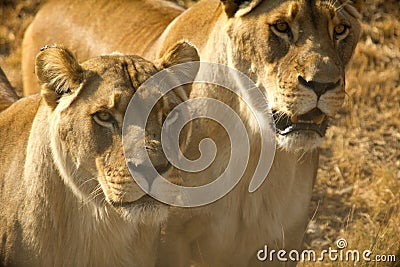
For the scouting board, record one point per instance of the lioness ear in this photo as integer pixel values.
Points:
(182, 52)
(58, 72)
(239, 8)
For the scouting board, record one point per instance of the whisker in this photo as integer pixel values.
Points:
(88, 180)
(97, 191)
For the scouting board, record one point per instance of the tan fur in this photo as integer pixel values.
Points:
(7, 93)
(230, 231)
(94, 40)
(66, 195)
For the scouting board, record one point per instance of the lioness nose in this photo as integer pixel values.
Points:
(147, 173)
(319, 88)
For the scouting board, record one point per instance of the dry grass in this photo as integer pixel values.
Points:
(357, 195)
(15, 16)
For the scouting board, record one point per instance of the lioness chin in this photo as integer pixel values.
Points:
(295, 51)
(66, 195)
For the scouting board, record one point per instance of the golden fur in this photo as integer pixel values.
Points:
(66, 195)
(296, 52)
(113, 35)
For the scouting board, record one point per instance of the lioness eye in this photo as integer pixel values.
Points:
(103, 118)
(340, 30)
(282, 26)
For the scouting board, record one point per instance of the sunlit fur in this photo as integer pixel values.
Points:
(241, 223)
(229, 232)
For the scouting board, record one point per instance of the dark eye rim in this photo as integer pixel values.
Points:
(287, 30)
(346, 29)
(111, 119)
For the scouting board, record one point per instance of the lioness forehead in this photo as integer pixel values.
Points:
(313, 8)
(120, 70)
(333, 7)
(113, 79)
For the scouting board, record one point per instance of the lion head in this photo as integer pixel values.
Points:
(87, 104)
(296, 52)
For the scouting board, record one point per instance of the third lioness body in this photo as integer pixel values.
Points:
(295, 51)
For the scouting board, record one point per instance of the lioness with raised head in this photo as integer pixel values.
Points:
(295, 50)
(66, 195)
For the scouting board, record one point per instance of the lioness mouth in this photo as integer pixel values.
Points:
(314, 120)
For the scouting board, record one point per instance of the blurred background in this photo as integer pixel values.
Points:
(357, 194)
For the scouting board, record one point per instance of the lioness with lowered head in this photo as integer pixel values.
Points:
(66, 195)
(295, 50)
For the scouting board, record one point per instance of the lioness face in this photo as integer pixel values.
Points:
(87, 104)
(296, 51)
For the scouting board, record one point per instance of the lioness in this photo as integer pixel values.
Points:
(295, 50)
(66, 195)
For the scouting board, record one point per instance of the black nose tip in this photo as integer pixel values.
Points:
(318, 87)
